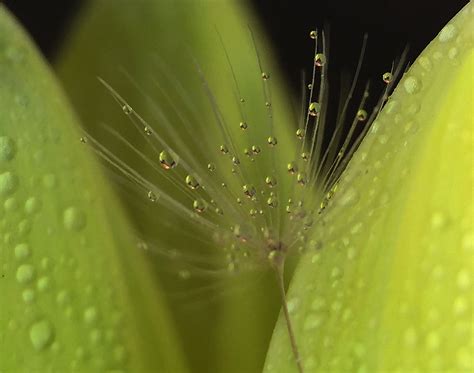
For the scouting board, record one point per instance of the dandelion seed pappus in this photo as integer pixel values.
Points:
(248, 190)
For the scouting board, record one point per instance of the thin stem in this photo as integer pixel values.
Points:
(281, 286)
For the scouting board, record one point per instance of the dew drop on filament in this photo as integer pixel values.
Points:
(191, 182)
(199, 205)
(387, 77)
(319, 59)
(167, 161)
(272, 141)
(127, 109)
(314, 109)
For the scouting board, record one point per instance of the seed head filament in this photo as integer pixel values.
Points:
(253, 196)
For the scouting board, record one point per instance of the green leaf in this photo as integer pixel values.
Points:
(140, 37)
(391, 288)
(76, 292)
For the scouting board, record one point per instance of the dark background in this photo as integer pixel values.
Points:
(391, 25)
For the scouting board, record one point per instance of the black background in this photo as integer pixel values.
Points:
(391, 25)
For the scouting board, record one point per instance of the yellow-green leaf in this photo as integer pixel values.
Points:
(391, 288)
(76, 291)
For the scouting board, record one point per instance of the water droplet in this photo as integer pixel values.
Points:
(167, 161)
(224, 149)
(349, 198)
(425, 63)
(460, 306)
(152, 196)
(7, 149)
(312, 322)
(235, 161)
(63, 297)
(10, 204)
(41, 334)
(249, 190)
(83, 139)
(293, 305)
(411, 127)
(211, 167)
(74, 219)
(127, 109)
(447, 33)
(292, 168)
(300, 133)
(314, 109)
(301, 178)
(28, 296)
(432, 340)
(468, 241)
(319, 59)
(25, 273)
(308, 221)
(90, 315)
(412, 85)
(191, 182)
(253, 213)
(453, 53)
(43, 283)
(119, 354)
(313, 34)
(265, 76)
(361, 115)
(272, 202)
(438, 220)
(310, 86)
(271, 181)
(243, 125)
(22, 251)
(199, 205)
(24, 227)
(387, 77)
(255, 149)
(272, 141)
(305, 156)
(148, 131)
(32, 205)
(463, 279)
(8, 183)
(336, 273)
(351, 253)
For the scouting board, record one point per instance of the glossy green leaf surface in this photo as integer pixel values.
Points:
(391, 287)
